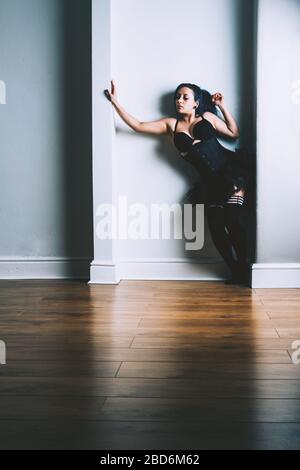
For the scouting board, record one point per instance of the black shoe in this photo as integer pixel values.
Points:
(235, 275)
(244, 274)
(235, 279)
(239, 274)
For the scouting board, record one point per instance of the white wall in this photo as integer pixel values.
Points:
(155, 46)
(278, 144)
(278, 124)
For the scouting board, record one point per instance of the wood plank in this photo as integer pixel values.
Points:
(289, 332)
(283, 314)
(151, 409)
(56, 328)
(50, 407)
(133, 317)
(281, 303)
(90, 341)
(150, 388)
(168, 322)
(141, 435)
(200, 370)
(96, 352)
(75, 368)
(222, 342)
(201, 410)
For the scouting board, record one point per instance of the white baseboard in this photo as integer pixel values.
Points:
(275, 275)
(104, 272)
(45, 268)
(108, 272)
(264, 275)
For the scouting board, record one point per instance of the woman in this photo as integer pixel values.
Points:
(223, 178)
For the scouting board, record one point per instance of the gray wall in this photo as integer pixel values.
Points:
(45, 129)
(278, 124)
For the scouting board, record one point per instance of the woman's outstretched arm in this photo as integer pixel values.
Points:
(154, 127)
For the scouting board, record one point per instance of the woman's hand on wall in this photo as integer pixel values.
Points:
(111, 95)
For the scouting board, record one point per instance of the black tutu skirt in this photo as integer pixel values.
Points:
(221, 172)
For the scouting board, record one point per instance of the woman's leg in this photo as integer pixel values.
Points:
(233, 209)
(221, 239)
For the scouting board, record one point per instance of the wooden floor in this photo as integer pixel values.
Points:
(148, 365)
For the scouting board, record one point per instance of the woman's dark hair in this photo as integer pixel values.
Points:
(203, 96)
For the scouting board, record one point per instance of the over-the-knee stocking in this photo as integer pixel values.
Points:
(236, 230)
(216, 223)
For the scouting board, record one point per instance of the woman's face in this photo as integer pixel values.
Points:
(185, 101)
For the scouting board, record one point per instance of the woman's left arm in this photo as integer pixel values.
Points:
(228, 127)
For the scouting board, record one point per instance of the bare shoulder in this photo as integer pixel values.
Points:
(171, 122)
(211, 117)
